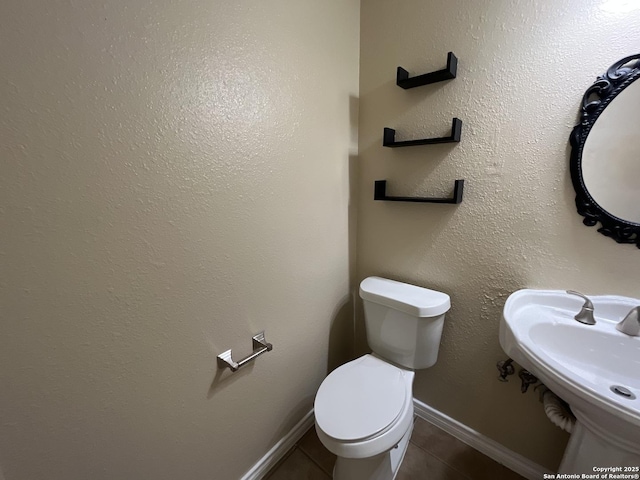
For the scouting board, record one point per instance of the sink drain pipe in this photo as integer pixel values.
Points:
(557, 410)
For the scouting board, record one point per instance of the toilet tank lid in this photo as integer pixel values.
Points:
(409, 299)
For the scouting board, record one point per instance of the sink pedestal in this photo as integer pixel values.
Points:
(590, 447)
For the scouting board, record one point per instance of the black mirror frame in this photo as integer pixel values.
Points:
(597, 97)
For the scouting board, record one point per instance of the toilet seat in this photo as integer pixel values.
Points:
(360, 399)
(362, 406)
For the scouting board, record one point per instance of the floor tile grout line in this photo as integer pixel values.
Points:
(329, 474)
(279, 463)
(452, 467)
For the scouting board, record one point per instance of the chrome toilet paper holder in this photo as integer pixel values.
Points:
(260, 346)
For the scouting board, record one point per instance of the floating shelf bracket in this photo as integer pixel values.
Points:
(380, 193)
(403, 80)
(389, 137)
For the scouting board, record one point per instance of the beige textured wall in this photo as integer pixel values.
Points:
(523, 69)
(174, 178)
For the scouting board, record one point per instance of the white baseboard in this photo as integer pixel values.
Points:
(492, 449)
(279, 450)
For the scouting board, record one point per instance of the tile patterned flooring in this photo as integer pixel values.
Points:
(432, 454)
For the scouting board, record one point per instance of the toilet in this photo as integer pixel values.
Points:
(364, 409)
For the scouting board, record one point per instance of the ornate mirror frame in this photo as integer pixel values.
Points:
(597, 97)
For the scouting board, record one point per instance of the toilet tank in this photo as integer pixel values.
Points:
(404, 322)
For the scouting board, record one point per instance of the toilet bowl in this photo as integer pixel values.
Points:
(364, 409)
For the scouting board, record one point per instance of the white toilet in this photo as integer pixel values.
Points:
(364, 409)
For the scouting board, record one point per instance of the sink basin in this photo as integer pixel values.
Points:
(584, 365)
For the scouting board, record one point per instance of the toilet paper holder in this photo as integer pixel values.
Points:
(260, 346)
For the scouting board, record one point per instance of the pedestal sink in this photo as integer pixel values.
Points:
(594, 368)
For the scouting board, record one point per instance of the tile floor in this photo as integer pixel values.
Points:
(432, 454)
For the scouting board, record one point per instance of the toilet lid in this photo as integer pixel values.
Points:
(360, 399)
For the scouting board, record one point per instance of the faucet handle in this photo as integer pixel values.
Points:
(586, 314)
(630, 325)
(587, 301)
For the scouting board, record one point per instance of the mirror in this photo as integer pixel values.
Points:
(605, 155)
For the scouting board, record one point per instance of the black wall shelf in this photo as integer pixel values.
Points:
(389, 138)
(380, 193)
(403, 80)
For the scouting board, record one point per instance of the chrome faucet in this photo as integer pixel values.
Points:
(630, 325)
(586, 314)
